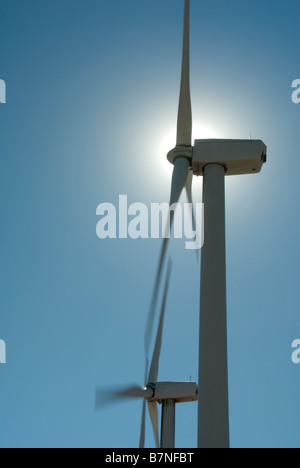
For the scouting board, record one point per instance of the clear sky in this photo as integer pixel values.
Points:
(92, 95)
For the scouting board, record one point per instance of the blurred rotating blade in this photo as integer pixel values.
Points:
(153, 374)
(179, 178)
(104, 397)
(153, 411)
(143, 423)
(184, 121)
(143, 426)
(188, 188)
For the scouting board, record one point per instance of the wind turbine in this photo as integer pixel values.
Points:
(212, 159)
(154, 392)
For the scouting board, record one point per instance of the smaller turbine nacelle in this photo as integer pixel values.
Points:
(236, 156)
(179, 392)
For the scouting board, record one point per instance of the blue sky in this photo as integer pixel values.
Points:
(92, 95)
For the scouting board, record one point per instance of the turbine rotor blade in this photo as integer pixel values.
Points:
(153, 411)
(104, 397)
(180, 174)
(146, 372)
(153, 375)
(184, 121)
(181, 163)
(179, 178)
(143, 426)
(188, 186)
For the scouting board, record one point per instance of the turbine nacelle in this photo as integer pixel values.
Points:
(236, 156)
(179, 392)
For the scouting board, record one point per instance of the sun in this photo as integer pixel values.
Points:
(201, 131)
